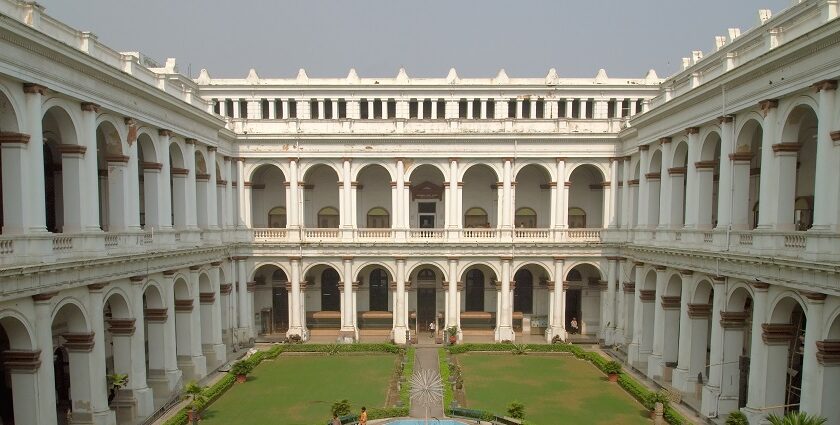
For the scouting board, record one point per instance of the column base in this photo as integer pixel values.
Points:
(654, 369)
(681, 381)
(106, 417)
(726, 405)
(193, 367)
(555, 331)
(216, 355)
(133, 405)
(347, 336)
(757, 416)
(505, 334)
(709, 403)
(634, 353)
(609, 337)
(398, 335)
(297, 331)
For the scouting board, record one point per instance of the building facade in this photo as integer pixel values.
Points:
(158, 222)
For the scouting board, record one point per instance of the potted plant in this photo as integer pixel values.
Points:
(116, 382)
(453, 334)
(192, 391)
(241, 369)
(797, 418)
(612, 369)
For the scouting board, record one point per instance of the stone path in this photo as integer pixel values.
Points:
(426, 358)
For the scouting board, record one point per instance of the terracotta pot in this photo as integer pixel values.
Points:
(241, 378)
(192, 416)
(453, 339)
(613, 377)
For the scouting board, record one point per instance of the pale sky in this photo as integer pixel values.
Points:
(427, 37)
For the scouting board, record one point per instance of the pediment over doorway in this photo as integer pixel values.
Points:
(427, 190)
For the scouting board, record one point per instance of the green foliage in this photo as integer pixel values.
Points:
(612, 367)
(448, 394)
(657, 397)
(516, 410)
(389, 412)
(737, 418)
(333, 349)
(117, 380)
(796, 418)
(405, 381)
(341, 408)
(520, 349)
(242, 367)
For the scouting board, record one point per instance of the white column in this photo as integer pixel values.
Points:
(212, 214)
(665, 184)
(767, 198)
(740, 163)
(613, 210)
(757, 388)
(272, 109)
(582, 111)
(469, 109)
(229, 213)
(295, 307)
(452, 289)
(692, 330)
(626, 204)
(16, 171)
(90, 172)
(118, 202)
(400, 327)
(197, 361)
(400, 211)
(137, 373)
(320, 109)
(217, 346)
(655, 360)
(560, 209)
(504, 332)
(32, 210)
(644, 187)
(170, 355)
(241, 288)
(93, 360)
(692, 181)
(164, 183)
(556, 322)
(286, 109)
(348, 329)
(507, 198)
(483, 114)
(45, 378)
(609, 325)
(452, 205)
(346, 206)
(725, 183)
(519, 108)
(533, 111)
(242, 215)
(294, 190)
(812, 370)
(825, 190)
(637, 352)
(191, 202)
(712, 389)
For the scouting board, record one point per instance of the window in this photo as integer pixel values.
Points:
(561, 109)
(313, 109)
(577, 218)
(229, 107)
(364, 113)
(328, 218)
(474, 300)
(476, 112)
(243, 109)
(526, 108)
(526, 218)
(462, 108)
(541, 109)
(803, 212)
(378, 290)
(590, 108)
(476, 217)
(330, 295)
(217, 107)
(328, 110)
(292, 108)
(523, 293)
(342, 108)
(441, 109)
(392, 108)
(755, 215)
(412, 108)
(264, 108)
(377, 109)
(575, 108)
(512, 108)
(491, 109)
(277, 217)
(427, 109)
(378, 218)
(278, 109)
(574, 276)
(426, 274)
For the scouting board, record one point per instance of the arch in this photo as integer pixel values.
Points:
(474, 285)
(650, 280)
(360, 269)
(378, 218)
(146, 140)
(306, 271)
(176, 155)
(680, 153)
(584, 264)
(674, 286)
(655, 163)
(200, 162)
(544, 169)
(112, 133)
(577, 218)
(525, 217)
(268, 193)
(480, 196)
(586, 193)
(437, 268)
(471, 166)
(476, 217)
(783, 305)
(488, 267)
(800, 128)
(277, 217)
(330, 291)
(11, 111)
(411, 169)
(181, 289)
(256, 172)
(268, 264)
(204, 284)
(74, 313)
(153, 295)
(740, 296)
(60, 121)
(328, 218)
(308, 168)
(536, 268)
(117, 300)
(702, 292)
(533, 190)
(18, 330)
(793, 114)
(356, 172)
(378, 282)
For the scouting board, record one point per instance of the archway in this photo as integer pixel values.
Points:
(586, 197)
(647, 302)
(783, 338)
(113, 178)
(271, 301)
(583, 300)
(800, 131)
(736, 323)
(8, 127)
(320, 196)
(375, 301)
(188, 332)
(530, 299)
(323, 316)
(74, 373)
(119, 328)
(17, 382)
(698, 339)
(745, 210)
(268, 197)
(479, 308)
(178, 186)
(425, 298)
(831, 372)
(59, 143)
(480, 197)
(427, 209)
(532, 191)
(708, 171)
(373, 197)
(155, 316)
(671, 302)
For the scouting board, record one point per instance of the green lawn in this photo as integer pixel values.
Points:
(554, 389)
(301, 389)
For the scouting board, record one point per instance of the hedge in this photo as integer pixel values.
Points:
(633, 387)
(214, 391)
(448, 395)
(405, 381)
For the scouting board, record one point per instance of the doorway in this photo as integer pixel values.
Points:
(426, 306)
(280, 308)
(573, 308)
(426, 212)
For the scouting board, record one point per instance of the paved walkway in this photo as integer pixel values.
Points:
(426, 358)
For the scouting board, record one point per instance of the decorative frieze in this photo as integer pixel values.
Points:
(78, 341)
(828, 352)
(155, 315)
(699, 311)
(777, 333)
(647, 295)
(121, 326)
(733, 319)
(670, 302)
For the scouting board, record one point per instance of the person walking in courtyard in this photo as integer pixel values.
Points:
(431, 329)
(574, 326)
(363, 417)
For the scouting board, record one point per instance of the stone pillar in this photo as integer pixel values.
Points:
(348, 329)
(644, 187)
(90, 174)
(812, 370)
(556, 325)
(87, 358)
(767, 199)
(507, 207)
(400, 327)
(213, 221)
(626, 203)
(504, 332)
(197, 361)
(609, 312)
(692, 188)
(164, 183)
(230, 221)
(694, 324)
(23, 367)
(757, 391)
(828, 357)
(346, 206)
(614, 195)
(44, 383)
(33, 208)
(452, 205)
(401, 209)
(740, 165)
(655, 362)
(191, 191)
(712, 389)
(825, 190)
(452, 289)
(726, 194)
(217, 347)
(72, 180)
(151, 194)
(629, 298)
(118, 201)
(664, 221)
(296, 327)
(16, 194)
(171, 372)
(242, 295)
(242, 216)
(634, 351)
(293, 208)
(137, 372)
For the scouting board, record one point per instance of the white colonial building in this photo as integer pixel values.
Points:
(152, 223)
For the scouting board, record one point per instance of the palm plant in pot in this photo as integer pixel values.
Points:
(241, 369)
(452, 331)
(192, 391)
(612, 369)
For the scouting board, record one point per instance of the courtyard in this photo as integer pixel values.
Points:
(301, 389)
(553, 388)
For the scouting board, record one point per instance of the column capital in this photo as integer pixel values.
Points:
(71, 149)
(453, 159)
(825, 85)
(90, 107)
(32, 88)
(766, 105)
(239, 258)
(664, 140)
(226, 288)
(685, 272)
(692, 130)
(718, 280)
(44, 297)
(13, 138)
(452, 259)
(559, 258)
(560, 159)
(725, 119)
(741, 157)
(97, 287)
(659, 268)
(629, 287)
(215, 263)
(813, 297)
(81, 342)
(638, 264)
(643, 148)
(828, 352)
(22, 361)
(346, 259)
(212, 148)
(121, 326)
(733, 319)
(155, 166)
(165, 132)
(506, 258)
(190, 141)
(184, 305)
(116, 159)
(699, 311)
(399, 259)
(195, 268)
(294, 259)
(786, 147)
(760, 286)
(137, 279)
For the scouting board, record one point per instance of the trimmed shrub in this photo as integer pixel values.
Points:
(516, 410)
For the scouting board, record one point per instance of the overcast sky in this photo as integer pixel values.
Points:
(427, 37)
